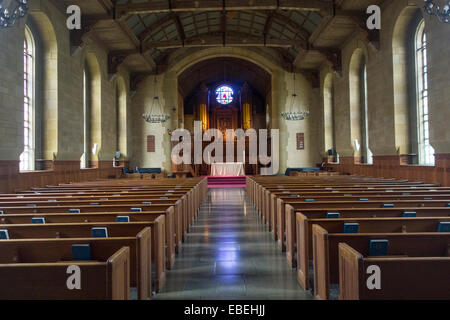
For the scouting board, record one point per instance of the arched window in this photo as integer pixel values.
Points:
(29, 49)
(426, 151)
(328, 113)
(366, 153)
(86, 101)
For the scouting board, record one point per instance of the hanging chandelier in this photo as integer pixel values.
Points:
(442, 13)
(156, 112)
(293, 113)
(11, 11)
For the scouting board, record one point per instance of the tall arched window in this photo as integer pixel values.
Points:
(366, 153)
(29, 49)
(426, 151)
(85, 158)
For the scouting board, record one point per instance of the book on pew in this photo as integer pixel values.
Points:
(351, 227)
(100, 232)
(388, 205)
(136, 209)
(347, 195)
(409, 214)
(363, 199)
(1, 212)
(81, 252)
(52, 200)
(333, 215)
(104, 199)
(448, 205)
(406, 194)
(122, 219)
(378, 247)
(38, 220)
(94, 204)
(4, 235)
(427, 199)
(309, 200)
(444, 227)
(146, 202)
(295, 196)
(74, 211)
(163, 198)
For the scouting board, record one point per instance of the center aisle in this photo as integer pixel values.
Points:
(229, 254)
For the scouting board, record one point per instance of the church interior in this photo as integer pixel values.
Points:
(348, 99)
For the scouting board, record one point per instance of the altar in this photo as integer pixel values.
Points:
(227, 169)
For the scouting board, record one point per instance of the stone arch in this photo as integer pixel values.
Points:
(403, 63)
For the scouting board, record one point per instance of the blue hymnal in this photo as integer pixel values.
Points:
(74, 210)
(295, 196)
(94, 204)
(363, 199)
(427, 198)
(347, 195)
(378, 247)
(351, 227)
(388, 205)
(38, 220)
(122, 219)
(448, 205)
(4, 234)
(406, 194)
(409, 214)
(444, 227)
(163, 198)
(81, 252)
(103, 199)
(1, 211)
(146, 202)
(101, 232)
(333, 215)
(309, 200)
(136, 209)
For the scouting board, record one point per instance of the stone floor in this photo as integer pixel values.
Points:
(229, 254)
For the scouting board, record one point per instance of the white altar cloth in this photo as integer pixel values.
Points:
(228, 169)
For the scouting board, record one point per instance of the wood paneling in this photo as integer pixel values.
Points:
(393, 167)
(12, 180)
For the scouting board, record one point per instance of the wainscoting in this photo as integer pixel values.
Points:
(395, 167)
(12, 180)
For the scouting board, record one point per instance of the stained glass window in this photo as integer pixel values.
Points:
(224, 95)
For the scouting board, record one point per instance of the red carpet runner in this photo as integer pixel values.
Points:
(226, 182)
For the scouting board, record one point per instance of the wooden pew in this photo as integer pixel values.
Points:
(366, 225)
(293, 222)
(115, 230)
(287, 226)
(326, 254)
(169, 224)
(415, 277)
(272, 197)
(105, 279)
(60, 250)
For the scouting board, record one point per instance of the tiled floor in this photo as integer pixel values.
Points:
(229, 254)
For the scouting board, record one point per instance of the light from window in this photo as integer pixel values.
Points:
(27, 157)
(224, 95)
(426, 151)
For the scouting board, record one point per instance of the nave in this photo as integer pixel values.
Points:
(229, 254)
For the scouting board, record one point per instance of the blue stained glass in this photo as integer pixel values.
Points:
(224, 95)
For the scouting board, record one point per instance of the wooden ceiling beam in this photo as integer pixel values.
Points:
(219, 5)
(232, 40)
